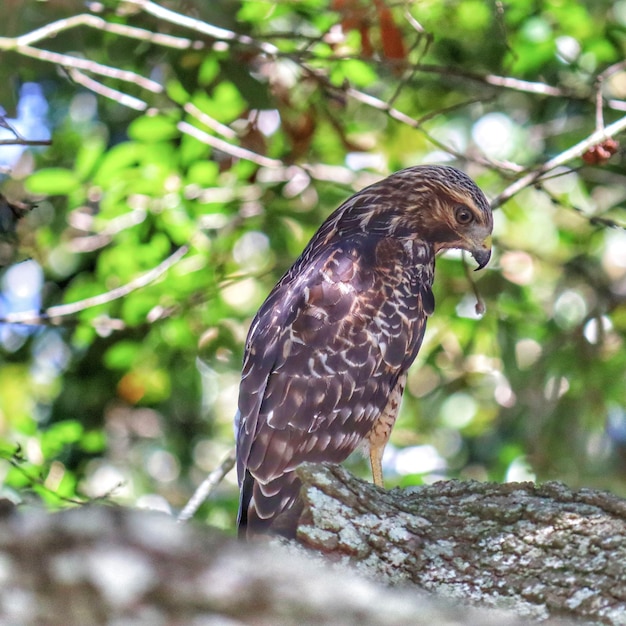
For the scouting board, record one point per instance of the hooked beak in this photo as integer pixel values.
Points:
(482, 254)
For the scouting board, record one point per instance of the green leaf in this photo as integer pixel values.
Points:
(177, 92)
(53, 181)
(136, 307)
(121, 355)
(118, 158)
(67, 487)
(93, 441)
(152, 128)
(209, 70)
(225, 103)
(203, 173)
(59, 435)
(356, 72)
(90, 151)
(473, 14)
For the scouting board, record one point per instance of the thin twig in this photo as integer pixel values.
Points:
(23, 45)
(593, 220)
(18, 139)
(211, 122)
(560, 159)
(235, 151)
(448, 109)
(392, 112)
(599, 109)
(69, 61)
(517, 84)
(616, 105)
(25, 142)
(4, 123)
(113, 94)
(612, 69)
(207, 486)
(17, 461)
(505, 82)
(31, 318)
(396, 114)
(85, 19)
(215, 32)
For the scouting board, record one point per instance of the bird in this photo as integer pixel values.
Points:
(326, 356)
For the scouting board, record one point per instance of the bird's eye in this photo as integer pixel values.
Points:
(463, 215)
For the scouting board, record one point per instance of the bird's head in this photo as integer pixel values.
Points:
(449, 210)
(434, 203)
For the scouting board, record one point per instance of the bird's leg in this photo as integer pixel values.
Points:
(379, 435)
(376, 458)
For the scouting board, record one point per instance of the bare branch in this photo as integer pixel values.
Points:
(206, 487)
(5, 124)
(599, 110)
(84, 19)
(209, 121)
(76, 66)
(381, 105)
(25, 142)
(70, 61)
(504, 82)
(63, 310)
(235, 151)
(616, 105)
(101, 238)
(571, 153)
(18, 139)
(215, 32)
(23, 45)
(516, 84)
(612, 69)
(113, 94)
(537, 549)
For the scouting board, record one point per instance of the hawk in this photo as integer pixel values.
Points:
(327, 354)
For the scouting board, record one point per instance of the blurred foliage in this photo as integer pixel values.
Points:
(251, 142)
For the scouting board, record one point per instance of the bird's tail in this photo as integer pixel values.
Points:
(269, 509)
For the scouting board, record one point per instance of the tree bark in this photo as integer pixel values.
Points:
(538, 552)
(107, 565)
(541, 550)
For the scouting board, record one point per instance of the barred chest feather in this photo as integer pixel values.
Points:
(369, 294)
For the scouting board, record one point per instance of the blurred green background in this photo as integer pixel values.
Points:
(238, 142)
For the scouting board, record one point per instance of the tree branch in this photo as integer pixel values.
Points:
(228, 148)
(564, 157)
(112, 94)
(23, 45)
(76, 65)
(204, 28)
(543, 550)
(70, 61)
(92, 21)
(202, 493)
(538, 551)
(63, 310)
(97, 565)
(17, 139)
(25, 142)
